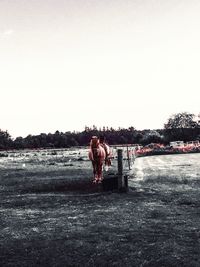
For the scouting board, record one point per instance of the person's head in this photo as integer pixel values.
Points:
(101, 139)
(94, 141)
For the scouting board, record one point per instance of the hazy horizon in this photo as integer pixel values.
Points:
(83, 129)
(69, 64)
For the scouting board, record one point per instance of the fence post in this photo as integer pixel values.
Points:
(117, 181)
(128, 158)
(120, 168)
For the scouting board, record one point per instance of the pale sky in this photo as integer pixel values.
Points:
(65, 64)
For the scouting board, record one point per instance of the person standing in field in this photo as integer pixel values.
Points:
(107, 150)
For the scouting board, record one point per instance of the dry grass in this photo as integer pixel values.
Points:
(52, 216)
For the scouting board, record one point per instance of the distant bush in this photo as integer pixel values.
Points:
(3, 155)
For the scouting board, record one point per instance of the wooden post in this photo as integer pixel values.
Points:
(117, 181)
(128, 158)
(120, 168)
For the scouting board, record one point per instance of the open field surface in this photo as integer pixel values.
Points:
(51, 214)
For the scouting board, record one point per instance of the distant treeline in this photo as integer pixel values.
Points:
(181, 126)
(113, 137)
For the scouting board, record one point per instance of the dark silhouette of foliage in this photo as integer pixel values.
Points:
(151, 137)
(181, 126)
(181, 120)
(5, 140)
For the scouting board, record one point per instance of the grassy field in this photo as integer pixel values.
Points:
(51, 214)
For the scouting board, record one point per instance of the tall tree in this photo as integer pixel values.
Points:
(179, 127)
(5, 140)
(181, 120)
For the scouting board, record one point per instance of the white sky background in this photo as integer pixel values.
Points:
(67, 64)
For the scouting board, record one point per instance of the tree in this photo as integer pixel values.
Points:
(5, 140)
(151, 137)
(19, 143)
(181, 126)
(181, 120)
